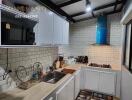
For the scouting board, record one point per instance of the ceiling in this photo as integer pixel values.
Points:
(74, 10)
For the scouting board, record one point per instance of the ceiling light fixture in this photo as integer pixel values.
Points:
(88, 6)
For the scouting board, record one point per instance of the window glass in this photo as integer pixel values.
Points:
(127, 47)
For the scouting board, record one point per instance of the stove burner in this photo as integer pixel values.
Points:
(92, 95)
(100, 65)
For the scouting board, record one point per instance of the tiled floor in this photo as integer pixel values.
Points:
(89, 95)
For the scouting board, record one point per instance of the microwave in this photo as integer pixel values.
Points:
(16, 34)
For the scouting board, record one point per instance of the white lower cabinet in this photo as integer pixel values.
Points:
(77, 83)
(91, 79)
(67, 91)
(101, 81)
(107, 83)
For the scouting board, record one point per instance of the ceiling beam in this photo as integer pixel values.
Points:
(107, 13)
(97, 8)
(93, 14)
(78, 14)
(124, 1)
(87, 2)
(55, 9)
(113, 12)
(123, 4)
(115, 6)
(68, 3)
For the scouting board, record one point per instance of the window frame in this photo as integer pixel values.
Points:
(129, 67)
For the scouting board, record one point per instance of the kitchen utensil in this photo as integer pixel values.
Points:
(38, 66)
(66, 71)
(21, 73)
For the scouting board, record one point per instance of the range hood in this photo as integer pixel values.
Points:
(101, 31)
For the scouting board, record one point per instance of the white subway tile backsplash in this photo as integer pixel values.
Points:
(23, 57)
(83, 34)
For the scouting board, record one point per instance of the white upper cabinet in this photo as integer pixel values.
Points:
(44, 29)
(58, 29)
(61, 30)
(65, 35)
(51, 29)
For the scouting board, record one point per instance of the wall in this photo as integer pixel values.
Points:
(23, 57)
(83, 34)
(126, 83)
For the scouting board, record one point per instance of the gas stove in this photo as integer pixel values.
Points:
(100, 65)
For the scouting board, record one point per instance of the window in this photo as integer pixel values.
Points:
(128, 47)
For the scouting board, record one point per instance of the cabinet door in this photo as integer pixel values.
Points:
(44, 28)
(91, 79)
(77, 83)
(107, 82)
(58, 27)
(67, 91)
(65, 32)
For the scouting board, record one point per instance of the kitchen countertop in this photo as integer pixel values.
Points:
(114, 67)
(42, 89)
(37, 92)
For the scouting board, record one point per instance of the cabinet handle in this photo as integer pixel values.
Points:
(51, 98)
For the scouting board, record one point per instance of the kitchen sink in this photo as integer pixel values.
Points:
(53, 77)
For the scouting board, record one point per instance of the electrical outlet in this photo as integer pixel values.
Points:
(1, 71)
